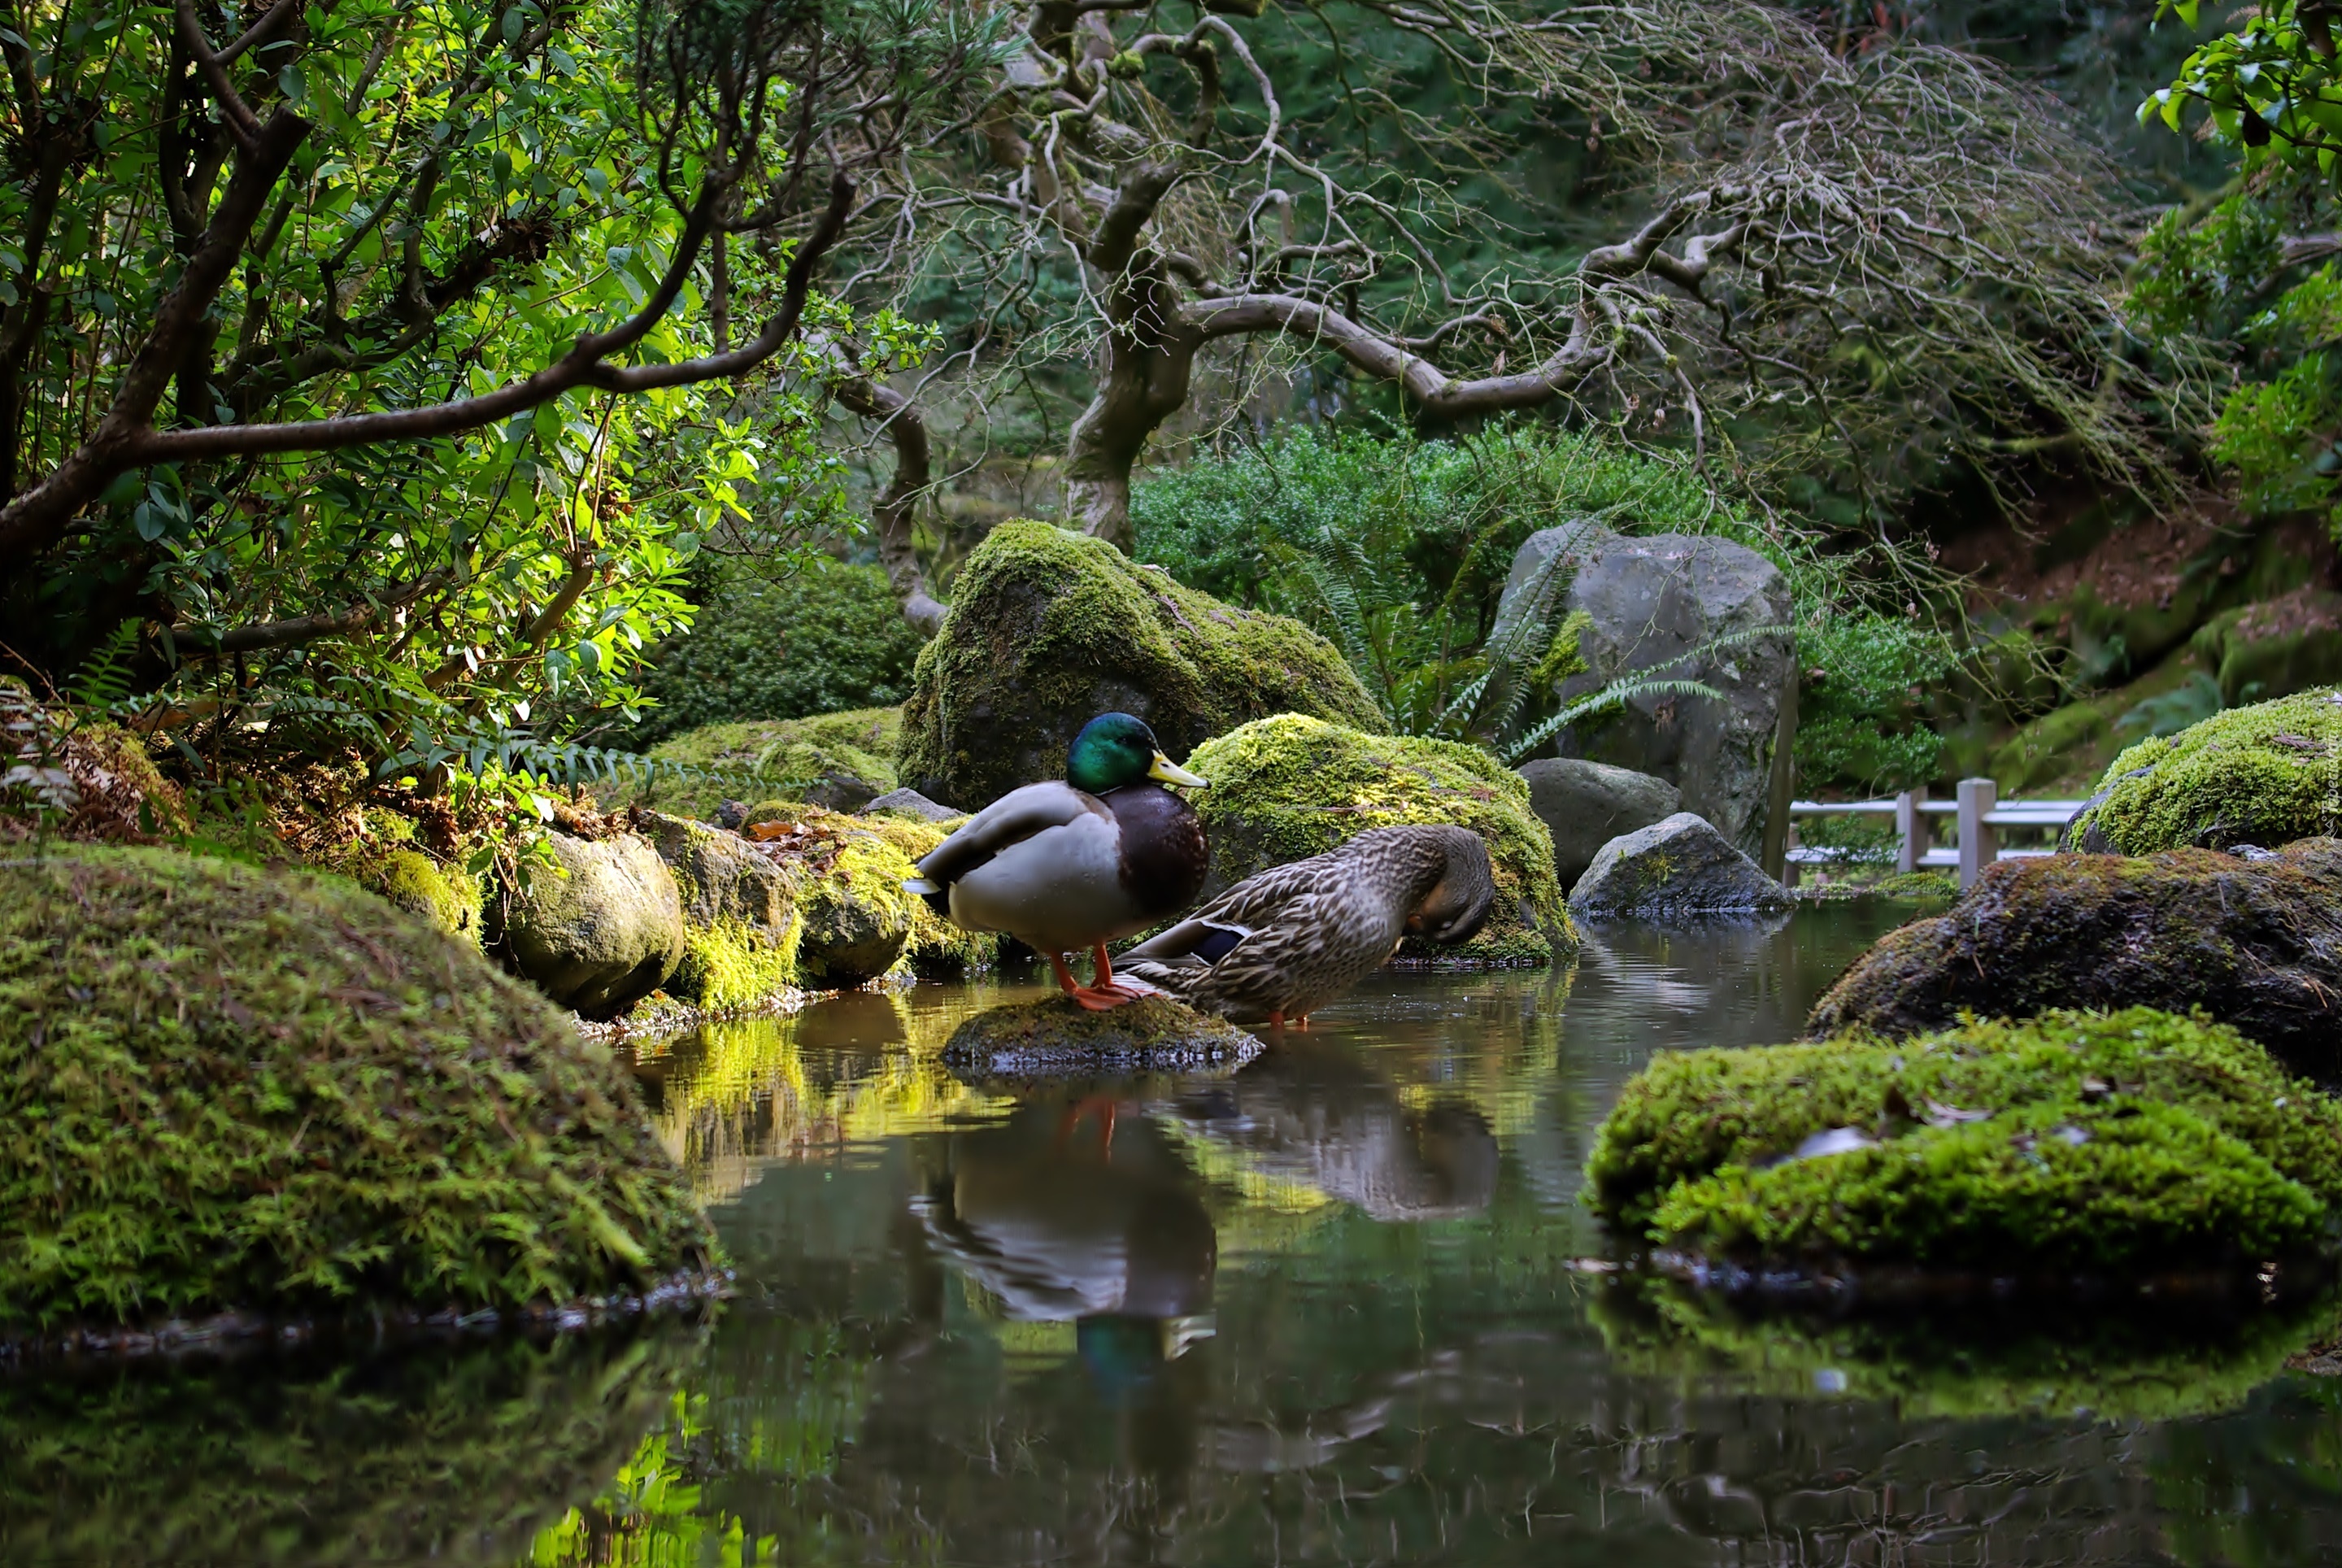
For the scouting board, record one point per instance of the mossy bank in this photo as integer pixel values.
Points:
(836, 760)
(2265, 775)
(224, 1089)
(1050, 628)
(1285, 789)
(2132, 1142)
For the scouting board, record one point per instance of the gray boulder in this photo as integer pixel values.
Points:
(911, 803)
(1681, 868)
(1585, 804)
(1651, 600)
(602, 933)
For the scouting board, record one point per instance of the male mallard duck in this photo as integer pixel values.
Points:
(1063, 867)
(1280, 945)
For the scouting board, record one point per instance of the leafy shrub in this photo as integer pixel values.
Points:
(827, 639)
(1862, 718)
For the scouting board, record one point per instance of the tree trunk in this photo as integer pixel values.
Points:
(1150, 355)
(890, 512)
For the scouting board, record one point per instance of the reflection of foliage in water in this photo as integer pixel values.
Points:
(2263, 1490)
(450, 1453)
(2111, 1364)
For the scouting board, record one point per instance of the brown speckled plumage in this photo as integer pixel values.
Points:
(1295, 937)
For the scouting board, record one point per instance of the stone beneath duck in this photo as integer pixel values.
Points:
(1677, 868)
(1056, 1037)
(911, 803)
(1585, 804)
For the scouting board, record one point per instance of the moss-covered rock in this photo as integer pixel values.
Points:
(846, 873)
(2276, 648)
(1055, 1036)
(89, 782)
(223, 1088)
(1285, 789)
(935, 947)
(2256, 944)
(600, 928)
(838, 760)
(454, 1452)
(741, 923)
(2263, 774)
(1049, 629)
(2074, 1143)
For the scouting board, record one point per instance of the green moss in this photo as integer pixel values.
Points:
(2116, 1365)
(782, 757)
(734, 965)
(450, 1450)
(1285, 789)
(1050, 628)
(2265, 775)
(741, 922)
(225, 1088)
(936, 946)
(447, 898)
(2105, 1140)
(1915, 886)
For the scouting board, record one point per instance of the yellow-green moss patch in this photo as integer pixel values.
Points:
(2073, 1142)
(223, 1088)
(2265, 775)
(1049, 629)
(769, 757)
(1285, 789)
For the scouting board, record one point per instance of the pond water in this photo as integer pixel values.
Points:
(1341, 1306)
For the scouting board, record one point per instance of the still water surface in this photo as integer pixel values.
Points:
(1334, 1308)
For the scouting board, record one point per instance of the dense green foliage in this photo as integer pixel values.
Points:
(226, 1089)
(1866, 684)
(825, 638)
(2132, 1139)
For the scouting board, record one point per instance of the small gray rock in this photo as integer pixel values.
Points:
(605, 933)
(839, 791)
(911, 803)
(1678, 869)
(1586, 805)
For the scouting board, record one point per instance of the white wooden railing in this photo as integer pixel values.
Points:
(1978, 816)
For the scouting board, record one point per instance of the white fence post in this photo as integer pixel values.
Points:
(1978, 797)
(1910, 830)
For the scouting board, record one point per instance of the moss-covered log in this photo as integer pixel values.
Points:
(2129, 1142)
(228, 1089)
(2256, 944)
(1048, 629)
(1285, 789)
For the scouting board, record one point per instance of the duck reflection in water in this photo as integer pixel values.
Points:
(1074, 1210)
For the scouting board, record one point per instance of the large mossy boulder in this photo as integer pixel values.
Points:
(1049, 629)
(1285, 789)
(2256, 944)
(839, 762)
(1658, 605)
(2076, 1144)
(224, 1089)
(2263, 775)
(600, 928)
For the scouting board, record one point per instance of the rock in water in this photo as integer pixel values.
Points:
(228, 1089)
(1678, 869)
(1049, 629)
(2263, 775)
(2256, 944)
(604, 933)
(1649, 601)
(1585, 804)
(1286, 789)
(741, 922)
(910, 803)
(1056, 1036)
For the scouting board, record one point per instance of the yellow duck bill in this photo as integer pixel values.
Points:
(1170, 772)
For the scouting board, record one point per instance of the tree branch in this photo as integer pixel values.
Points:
(890, 512)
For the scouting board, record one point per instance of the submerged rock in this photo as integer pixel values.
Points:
(1650, 602)
(1285, 789)
(1585, 804)
(2070, 1145)
(2265, 775)
(1678, 869)
(234, 1089)
(1050, 628)
(2256, 944)
(603, 931)
(1056, 1036)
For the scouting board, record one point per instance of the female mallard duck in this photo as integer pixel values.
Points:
(1280, 945)
(1063, 867)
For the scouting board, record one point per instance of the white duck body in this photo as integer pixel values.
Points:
(1050, 865)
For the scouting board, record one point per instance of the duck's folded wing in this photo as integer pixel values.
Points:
(1196, 942)
(1220, 926)
(1011, 819)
